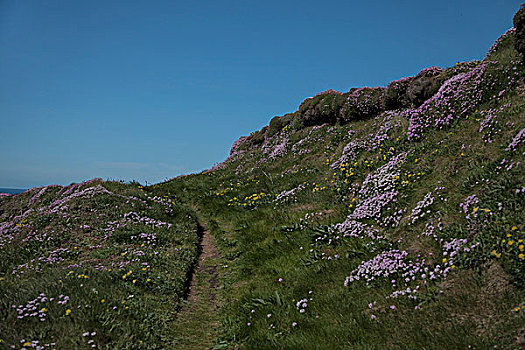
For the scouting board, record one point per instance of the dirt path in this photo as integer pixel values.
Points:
(206, 275)
(197, 324)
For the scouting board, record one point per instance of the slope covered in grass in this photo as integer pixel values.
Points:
(378, 218)
(92, 265)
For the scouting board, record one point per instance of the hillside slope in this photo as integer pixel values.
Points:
(378, 218)
(93, 265)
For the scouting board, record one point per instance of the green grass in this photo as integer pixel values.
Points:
(121, 287)
(473, 306)
(275, 254)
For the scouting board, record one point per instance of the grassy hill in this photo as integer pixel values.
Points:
(377, 218)
(350, 224)
(92, 265)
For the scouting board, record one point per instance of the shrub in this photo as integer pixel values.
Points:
(425, 85)
(275, 126)
(396, 94)
(362, 103)
(519, 24)
(257, 137)
(320, 109)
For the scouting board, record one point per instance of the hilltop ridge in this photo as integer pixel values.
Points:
(334, 107)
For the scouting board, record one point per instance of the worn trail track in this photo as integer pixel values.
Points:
(207, 266)
(197, 324)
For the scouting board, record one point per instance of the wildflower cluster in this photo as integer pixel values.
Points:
(457, 96)
(518, 140)
(280, 149)
(469, 206)
(419, 211)
(302, 304)
(357, 229)
(384, 122)
(33, 308)
(489, 125)
(290, 195)
(384, 179)
(512, 249)
(387, 264)
(53, 257)
(250, 201)
(431, 227)
(350, 153)
(363, 102)
(275, 146)
(318, 187)
(301, 147)
(371, 207)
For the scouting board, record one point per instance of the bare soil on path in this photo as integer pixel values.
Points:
(207, 266)
(197, 324)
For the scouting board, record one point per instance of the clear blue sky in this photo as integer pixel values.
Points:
(148, 90)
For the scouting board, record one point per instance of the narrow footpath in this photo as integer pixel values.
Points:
(197, 323)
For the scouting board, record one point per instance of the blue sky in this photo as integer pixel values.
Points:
(147, 90)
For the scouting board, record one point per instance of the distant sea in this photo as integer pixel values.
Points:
(12, 190)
